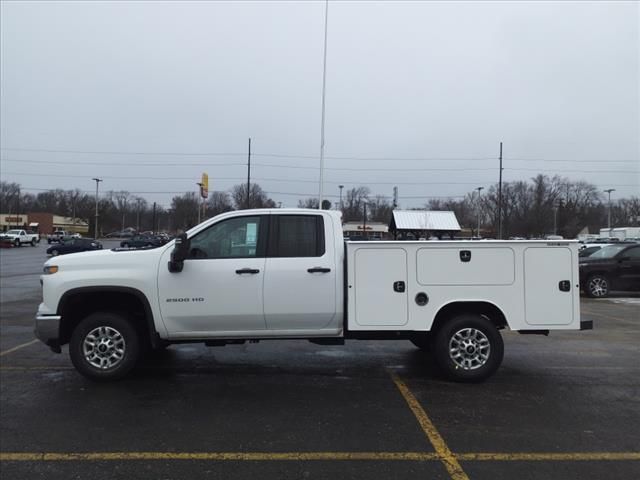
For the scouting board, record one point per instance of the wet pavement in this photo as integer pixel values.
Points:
(563, 406)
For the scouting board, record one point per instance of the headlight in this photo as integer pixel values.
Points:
(50, 269)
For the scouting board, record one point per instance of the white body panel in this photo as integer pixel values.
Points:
(295, 299)
(525, 287)
(375, 272)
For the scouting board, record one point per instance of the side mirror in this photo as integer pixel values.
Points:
(180, 253)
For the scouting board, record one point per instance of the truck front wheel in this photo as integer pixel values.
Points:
(469, 348)
(104, 346)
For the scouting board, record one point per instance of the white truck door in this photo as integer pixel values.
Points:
(220, 286)
(300, 279)
(549, 286)
(380, 287)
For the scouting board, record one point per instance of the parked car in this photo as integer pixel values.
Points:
(60, 235)
(120, 234)
(18, 238)
(614, 267)
(139, 241)
(73, 245)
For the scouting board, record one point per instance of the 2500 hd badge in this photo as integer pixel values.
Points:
(185, 299)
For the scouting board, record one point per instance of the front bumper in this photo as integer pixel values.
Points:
(47, 329)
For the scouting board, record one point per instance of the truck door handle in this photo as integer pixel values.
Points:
(399, 287)
(318, 270)
(251, 271)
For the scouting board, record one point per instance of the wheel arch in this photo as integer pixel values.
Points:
(479, 307)
(77, 303)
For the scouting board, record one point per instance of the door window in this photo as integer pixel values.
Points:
(237, 237)
(298, 236)
(633, 253)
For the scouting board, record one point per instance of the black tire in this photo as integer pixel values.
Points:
(33, 242)
(476, 362)
(55, 253)
(49, 241)
(423, 341)
(125, 245)
(101, 327)
(16, 242)
(598, 286)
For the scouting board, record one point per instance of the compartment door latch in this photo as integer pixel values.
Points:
(398, 287)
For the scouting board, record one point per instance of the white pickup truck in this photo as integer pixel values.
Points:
(288, 274)
(18, 238)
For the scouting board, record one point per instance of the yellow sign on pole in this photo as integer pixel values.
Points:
(204, 186)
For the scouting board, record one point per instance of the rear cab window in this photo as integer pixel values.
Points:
(295, 236)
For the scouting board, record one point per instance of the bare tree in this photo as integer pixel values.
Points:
(257, 197)
(218, 202)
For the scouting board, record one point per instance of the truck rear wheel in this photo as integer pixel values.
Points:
(468, 348)
(104, 346)
(33, 242)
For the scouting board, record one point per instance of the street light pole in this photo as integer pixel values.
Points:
(97, 180)
(479, 189)
(198, 202)
(341, 206)
(609, 190)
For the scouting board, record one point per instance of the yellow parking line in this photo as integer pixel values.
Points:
(11, 350)
(442, 450)
(217, 456)
(522, 457)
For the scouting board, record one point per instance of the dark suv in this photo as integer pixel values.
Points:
(614, 267)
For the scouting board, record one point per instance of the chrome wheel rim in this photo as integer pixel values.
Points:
(469, 348)
(104, 347)
(598, 286)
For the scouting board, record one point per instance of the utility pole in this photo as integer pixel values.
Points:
(500, 198)
(97, 180)
(248, 175)
(124, 209)
(138, 201)
(479, 189)
(153, 229)
(395, 198)
(609, 190)
(198, 200)
(324, 84)
(364, 220)
(341, 205)
(555, 218)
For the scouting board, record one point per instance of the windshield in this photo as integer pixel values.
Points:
(608, 252)
(13, 232)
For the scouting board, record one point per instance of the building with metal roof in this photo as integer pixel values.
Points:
(423, 224)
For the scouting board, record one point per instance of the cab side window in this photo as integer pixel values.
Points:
(633, 253)
(238, 237)
(297, 236)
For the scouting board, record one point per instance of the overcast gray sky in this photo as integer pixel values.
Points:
(443, 82)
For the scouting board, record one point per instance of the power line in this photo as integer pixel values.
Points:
(315, 157)
(266, 179)
(302, 167)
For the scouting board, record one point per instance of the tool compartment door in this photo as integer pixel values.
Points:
(548, 298)
(378, 287)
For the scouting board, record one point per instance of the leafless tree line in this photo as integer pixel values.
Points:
(529, 208)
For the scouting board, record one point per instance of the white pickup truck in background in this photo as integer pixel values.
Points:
(18, 238)
(288, 274)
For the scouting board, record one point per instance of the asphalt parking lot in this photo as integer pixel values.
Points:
(563, 406)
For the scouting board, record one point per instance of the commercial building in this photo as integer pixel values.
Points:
(43, 223)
